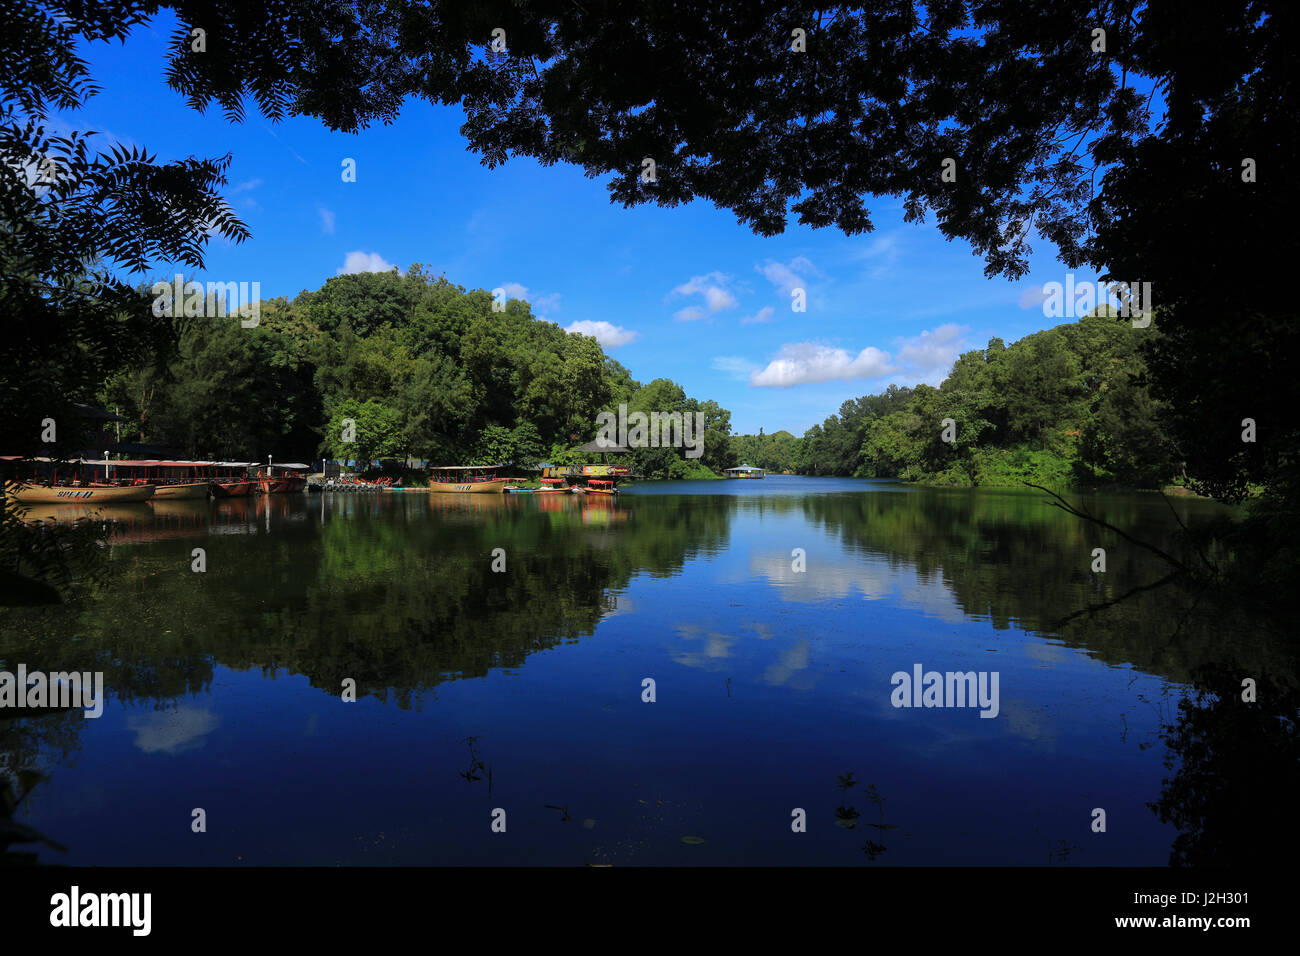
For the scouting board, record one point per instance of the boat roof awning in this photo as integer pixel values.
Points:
(296, 466)
(462, 467)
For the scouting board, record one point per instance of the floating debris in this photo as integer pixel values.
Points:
(692, 840)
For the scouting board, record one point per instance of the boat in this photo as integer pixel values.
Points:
(282, 479)
(171, 479)
(235, 482)
(743, 471)
(78, 494)
(188, 489)
(553, 486)
(466, 479)
(600, 486)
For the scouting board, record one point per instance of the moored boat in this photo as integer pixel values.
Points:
(553, 486)
(466, 479)
(598, 486)
(79, 494)
(282, 479)
(189, 489)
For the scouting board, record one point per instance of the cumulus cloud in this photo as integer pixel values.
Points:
(806, 363)
(1031, 297)
(326, 221)
(762, 315)
(713, 287)
(788, 276)
(608, 335)
(356, 262)
(539, 303)
(927, 357)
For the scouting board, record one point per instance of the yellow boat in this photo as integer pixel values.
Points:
(78, 494)
(467, 480)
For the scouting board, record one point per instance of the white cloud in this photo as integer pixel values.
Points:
(536, 301)
(788, 276)
(762, 315)
(1032, 297)
(364, 262)
(246, 186)
(734, 366)
(609, 336)
(713, 287)
(928, 357)
(805, 363)
(326, 221)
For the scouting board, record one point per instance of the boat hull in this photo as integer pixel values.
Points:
(196, 489)
(109, 494)
(281, 486)
(494, 487)
(233, 489)
(601, 491)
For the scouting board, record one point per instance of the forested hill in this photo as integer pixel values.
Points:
(423, 367)
(1063, 406)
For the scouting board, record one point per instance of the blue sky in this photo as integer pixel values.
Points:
(684, 293)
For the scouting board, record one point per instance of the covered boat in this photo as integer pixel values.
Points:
(467, 479)
(78, 494)
(282, 479)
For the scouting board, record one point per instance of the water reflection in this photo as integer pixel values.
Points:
(397, 593)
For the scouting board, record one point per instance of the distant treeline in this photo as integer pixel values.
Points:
(1065, 406)
(404, 366)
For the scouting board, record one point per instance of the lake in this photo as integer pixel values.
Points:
(771, 616)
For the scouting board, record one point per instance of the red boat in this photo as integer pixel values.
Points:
(282, 479)
(552, 486)
(600, 487)
(232, 480)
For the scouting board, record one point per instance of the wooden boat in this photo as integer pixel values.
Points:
(598, 486)
(282, 479)
(79, 494)
(553, 486)
(189, 489)
(233, 489)
(232, 480)
(467, 480)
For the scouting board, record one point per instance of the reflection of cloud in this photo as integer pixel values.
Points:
(792, 659)
(875, 581)
(716, 647)
(173, 731)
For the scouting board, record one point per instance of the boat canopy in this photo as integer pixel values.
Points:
(465, 467)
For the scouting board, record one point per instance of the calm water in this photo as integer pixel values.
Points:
(522, 690)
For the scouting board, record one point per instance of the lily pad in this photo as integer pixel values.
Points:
(692, 841)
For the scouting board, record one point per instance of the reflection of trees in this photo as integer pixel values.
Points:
(399, 605)
(1019, 562)
(23, 744)
(1233, 797)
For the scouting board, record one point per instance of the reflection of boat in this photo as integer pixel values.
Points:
(78, 494)
(467, 479)
(181, 508)
(69, 512)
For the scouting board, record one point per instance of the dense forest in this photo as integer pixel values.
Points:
(421, 367)
(1065, 406)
